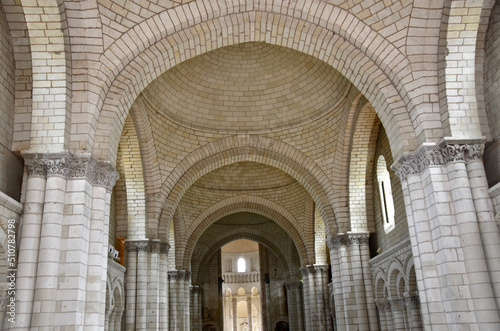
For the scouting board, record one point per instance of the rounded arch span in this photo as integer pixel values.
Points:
(332, 35)
(243, 203)
(252, 148)
(230, 236)
(394, 272)
(461, 89)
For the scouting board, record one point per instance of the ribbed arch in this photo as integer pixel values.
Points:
(252, 148)
(243, 203)
(353, 48)
(232, 236)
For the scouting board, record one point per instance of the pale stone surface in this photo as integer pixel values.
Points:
(250, 119)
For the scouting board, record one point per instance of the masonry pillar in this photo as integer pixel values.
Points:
(352, 289)
(163, 288)
(196, 306)
(317, 310)
(397, 306)
(235, 314)
(295, 307)
(249, 312)
(383, 307)
(30, 231)
(413, 312)
(68, 225)
(446, 239)
(179, 299)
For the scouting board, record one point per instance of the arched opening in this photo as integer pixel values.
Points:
(239, 309)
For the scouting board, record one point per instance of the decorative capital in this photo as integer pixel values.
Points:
(164, 248)
(397, 304)
(359, 238)
(67, 165)
(432, 154)
(338, 240)
(412, 301)
(137, 246)
(179, 275)
(293, 285)
(382, 304)
(311, 270)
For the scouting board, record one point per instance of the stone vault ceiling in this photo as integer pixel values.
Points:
(250, 87)
(245, 176)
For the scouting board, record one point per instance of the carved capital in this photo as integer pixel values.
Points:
(154, 246)
(164, 248)
(358, 238)
(179, 275)
(293, 286)
(412, 301)
(35, 165)
(137, 246)
(382, 304)
(397, 304)
(337, 241)
(431, 154)
(67, 165)
(312, 270)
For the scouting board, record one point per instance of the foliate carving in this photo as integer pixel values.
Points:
(154, 246)
(67, 165)
(312, 270)
(337, 241)
(36, 167)
(179, 275)
(358, 238)
(346, 239)
(164, 248)
(58, 165)
(104, 175)
(438, 154)
(382, 304)
(137, 246)
(413, 302)
(397, 304)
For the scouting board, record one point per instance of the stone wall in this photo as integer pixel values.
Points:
(492, 97)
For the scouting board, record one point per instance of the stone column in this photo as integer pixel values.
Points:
(196, 306)
(413, 312)
(281, 299)
(179, 299)
(235, 314)
(441, 213)
(488, 229)
(249, 312)
(153, 286)
(316, 306)
(163, 288)
(295, 306)
(131, 281)
(118, 319)
(383, 307)
(71, 237)
(29, 233)
(398, 314)
(352, 288)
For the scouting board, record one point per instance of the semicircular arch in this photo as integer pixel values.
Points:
(128, 68)
(252, 204)
(241, 233)
(252, 148)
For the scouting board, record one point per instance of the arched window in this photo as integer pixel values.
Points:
(385, 190)
(242, 265)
